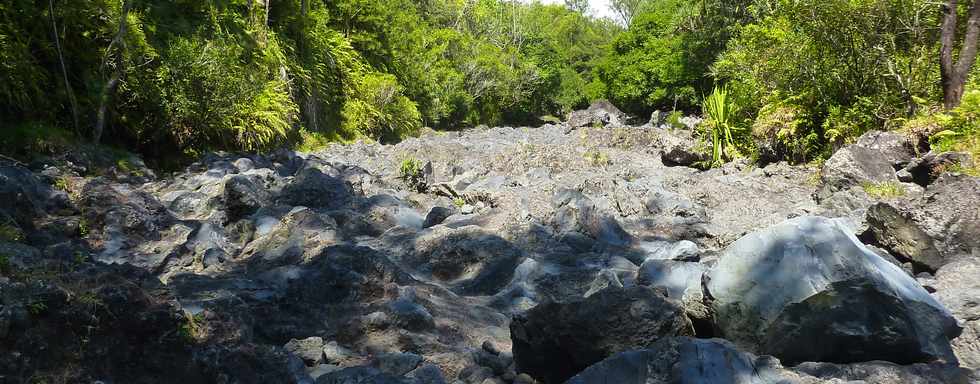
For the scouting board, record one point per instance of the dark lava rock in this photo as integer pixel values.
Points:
(554, 341)
(941, 225)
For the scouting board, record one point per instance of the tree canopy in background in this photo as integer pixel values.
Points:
(188, 76)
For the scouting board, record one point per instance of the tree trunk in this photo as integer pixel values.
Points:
(954, 73)
(64, 69)
(110, 87)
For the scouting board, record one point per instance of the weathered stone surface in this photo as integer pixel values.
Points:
(884, 372)
(893, 146)
(805, 281)
(941, 225)
(601, 113)
(554, 341)
(853, 165)
(312, 188)
(682, 280)
(310, 350)
(926, 169)
(957, 286)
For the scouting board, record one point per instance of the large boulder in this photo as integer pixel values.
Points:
(684, 360)
(808, 290)
(554, 341)
(601, 112)
(893, 146)
(957, 286)
(929, 230)
(575, 213)
(855, 165)
(312, 188)
(23, 197)
(468, 260)
(682, 281)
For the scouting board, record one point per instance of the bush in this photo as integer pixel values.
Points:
(29, 139)
(782, 131)
(843, 67)
(380, 110)
(960, 129)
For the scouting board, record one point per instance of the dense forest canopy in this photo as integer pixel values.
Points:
(187, 76)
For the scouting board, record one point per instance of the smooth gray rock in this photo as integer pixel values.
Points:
(409, 315)
(242, 197)
(683, 360)
(808, 290)
(884, 372)
(682, 281)
(576, 213)
(554, 341)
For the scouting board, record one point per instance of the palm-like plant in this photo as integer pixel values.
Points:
(720, 111)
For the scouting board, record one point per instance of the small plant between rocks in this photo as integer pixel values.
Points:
(886, 190)
(411, 172)
(597, 158)
(11, 233)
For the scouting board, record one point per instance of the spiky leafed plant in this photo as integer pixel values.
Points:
(720, 111)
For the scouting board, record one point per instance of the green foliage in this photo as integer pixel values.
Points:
(662, 60)
(411, 172)
(37, 308)
(957, 130)
(5, 266)
(597, 158)
(721, 126)
(10, 233)
(83, 227)
(674, 119)
(188, 77)
(33, 138)
(781, 130)
(459, 202)
(886, 190)
(192, 329)
(841, 67)
(380, 110)
(312, 141)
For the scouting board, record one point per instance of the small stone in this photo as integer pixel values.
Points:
(323, 369)
(336, 354)
(309, 349)
(377, 320)
(397, 364)
(427, 374)
(489, 347)
(467, 209)
(523, 379)
(436, 216)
